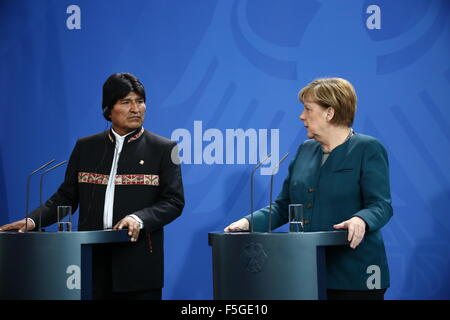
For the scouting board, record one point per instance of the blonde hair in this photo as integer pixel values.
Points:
(336, 93)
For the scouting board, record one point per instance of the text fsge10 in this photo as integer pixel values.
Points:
(246, 309)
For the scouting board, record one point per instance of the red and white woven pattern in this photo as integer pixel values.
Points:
(137, 135)
(121, 179)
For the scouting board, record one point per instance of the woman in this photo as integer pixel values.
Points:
(342, 178)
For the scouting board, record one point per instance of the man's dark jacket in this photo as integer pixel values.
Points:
(148, 184)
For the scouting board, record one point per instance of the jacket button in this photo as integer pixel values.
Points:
(309, 205)
(311, 190)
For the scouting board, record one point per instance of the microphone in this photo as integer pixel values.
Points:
(28, 190)
(251, 189)
(271, 189)
(40, 190)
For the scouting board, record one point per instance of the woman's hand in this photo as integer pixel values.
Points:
(240, 225)
(356, 229)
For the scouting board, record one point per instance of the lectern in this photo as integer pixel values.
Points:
(271, 266)
(50, 265)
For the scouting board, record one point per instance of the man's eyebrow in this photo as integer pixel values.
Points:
(130, 99)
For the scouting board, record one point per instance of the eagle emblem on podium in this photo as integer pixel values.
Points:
(253, 257)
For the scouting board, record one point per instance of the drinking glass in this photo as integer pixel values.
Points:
(296, 217)
(64, 218)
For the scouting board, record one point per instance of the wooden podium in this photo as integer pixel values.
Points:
(50, 265)
(271, 266)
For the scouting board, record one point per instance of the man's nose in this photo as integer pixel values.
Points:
(134, 106)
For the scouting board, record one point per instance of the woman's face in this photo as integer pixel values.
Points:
(314, 119)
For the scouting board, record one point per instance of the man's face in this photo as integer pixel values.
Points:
(128, 113)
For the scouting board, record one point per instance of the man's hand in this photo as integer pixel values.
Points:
(132, 225)
(18, 225)
(356, 230)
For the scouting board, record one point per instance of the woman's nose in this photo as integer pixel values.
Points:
(302, 116)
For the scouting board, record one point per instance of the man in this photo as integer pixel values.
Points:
(121, 178)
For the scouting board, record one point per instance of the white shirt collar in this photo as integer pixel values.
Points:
(119, 137)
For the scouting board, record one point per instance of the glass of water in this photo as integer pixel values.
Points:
(64, 218)
(296, 217)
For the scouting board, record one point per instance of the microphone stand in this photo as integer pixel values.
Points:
(40, 190)
(251, 189)
(271, 188)
(28, 190)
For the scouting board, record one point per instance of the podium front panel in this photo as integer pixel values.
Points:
(271, 266)
(48, 265)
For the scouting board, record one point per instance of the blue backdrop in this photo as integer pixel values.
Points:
(211, 68)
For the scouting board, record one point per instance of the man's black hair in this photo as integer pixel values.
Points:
(117, 87)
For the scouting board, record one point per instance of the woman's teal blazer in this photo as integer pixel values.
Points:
(354, 181)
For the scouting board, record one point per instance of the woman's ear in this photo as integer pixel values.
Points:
(330, 114)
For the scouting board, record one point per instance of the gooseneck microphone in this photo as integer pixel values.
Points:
(271, 189)
(251, 189)
(40, 190)
(28, 190)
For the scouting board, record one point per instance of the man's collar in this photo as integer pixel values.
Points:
(118, 136)
(129, 137)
